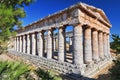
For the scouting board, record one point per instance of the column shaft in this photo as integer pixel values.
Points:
(101, 53)
(15, 40)
(54, 43)
(24, 44)
(28, 44)
(108, 46)
(95, 45)
(20, 48)
(61, 45)
(105, 45)
(17, 43)
(87, 46)
(77, 45)
(33, 44)
(49, 45)
(40, 44)
(70, 44)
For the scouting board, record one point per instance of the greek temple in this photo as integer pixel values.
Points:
(81, 51)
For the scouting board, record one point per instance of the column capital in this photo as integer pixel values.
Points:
(94, 29)
(100, 31)
(62, 27)
(77, 24)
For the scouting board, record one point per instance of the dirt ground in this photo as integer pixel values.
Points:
(4, 57)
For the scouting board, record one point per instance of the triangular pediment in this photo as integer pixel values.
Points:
(97, 12)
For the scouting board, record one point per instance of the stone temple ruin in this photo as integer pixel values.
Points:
(89, 48)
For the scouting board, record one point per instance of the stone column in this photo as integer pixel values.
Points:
(33, 44)
(61, 44)
(49, 44)
(24, 44)
(101, 53)
(28, 44)
(95, 46)
(17, 43)
(54, 43)
(45, 44)
(70, 44)
(20, 44)
(105, 45)
(108, 46)
(77, 45)
(40, 44)
(87, 46)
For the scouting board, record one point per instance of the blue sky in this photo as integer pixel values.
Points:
(41, 8)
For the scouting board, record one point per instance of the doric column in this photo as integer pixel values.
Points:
(70, 44)
(33, 44)
(45, 44)
(95, 55)
(61, 44)
(49, 44)
(108, 46)
(101, 53)
(28, 44)
(40, 44)
(24, 44)
(87, 46)
(70, 40)
(77, 45)
(20, 44)
(54, 43)
(17, 43)
(105, 45)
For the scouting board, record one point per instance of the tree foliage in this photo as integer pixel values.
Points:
(116, 43)
(11, 11)
(12, 70)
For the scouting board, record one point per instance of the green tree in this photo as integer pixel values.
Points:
(116, 43)
(11, 12)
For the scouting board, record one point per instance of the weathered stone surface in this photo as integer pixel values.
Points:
(49, 46)
(17, 44)
(100, 41)
(61, 44)
(95, 54)
(24, 44)
(20, 43)
(105, 45)
(87, 46)
(108, 46)
(40, 44)
(28, 44)
(77, 45)
(33, 44)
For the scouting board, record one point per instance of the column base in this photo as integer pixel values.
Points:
(102, 58)
(90, 64)
(96, 61)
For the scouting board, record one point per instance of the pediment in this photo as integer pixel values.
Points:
(97, 12)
